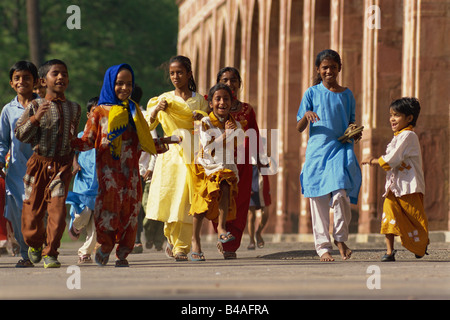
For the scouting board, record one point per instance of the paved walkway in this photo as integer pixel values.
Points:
(284, 269)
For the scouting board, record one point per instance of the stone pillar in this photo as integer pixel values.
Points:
(425, 55)
(292, 96)
(308, 71)
(382, 53)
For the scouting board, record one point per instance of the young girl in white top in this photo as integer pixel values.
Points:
(216, 175)
(403, 211)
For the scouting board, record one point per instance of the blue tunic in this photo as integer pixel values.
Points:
(85, 184)
(19, 154)
(329, 164)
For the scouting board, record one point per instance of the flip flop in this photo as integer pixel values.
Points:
(260, 241)
(350, 132)
(201, 256)
(228, 255)
(226, 237)
(180, 256)
(261, 244)
(101, 258)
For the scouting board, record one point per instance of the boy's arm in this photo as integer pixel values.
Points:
(27, 125)
(87, 141)
(75, 165)
(5, 137)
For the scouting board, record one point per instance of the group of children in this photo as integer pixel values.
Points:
(40, 133)
(331, 176)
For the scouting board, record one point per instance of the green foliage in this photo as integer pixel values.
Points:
(142, 33)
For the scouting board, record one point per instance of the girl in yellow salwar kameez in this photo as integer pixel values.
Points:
(403, 211)
(216, 173)
(171, 188)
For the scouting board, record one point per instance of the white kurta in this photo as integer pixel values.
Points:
(403, 163)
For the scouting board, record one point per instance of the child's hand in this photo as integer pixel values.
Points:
(147, 175)
(370, 160)
(197, 116)
(43, 108)
(162, 106)
(75, 167)
(230, 125)
(311, 116)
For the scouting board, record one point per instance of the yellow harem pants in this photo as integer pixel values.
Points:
(179, 236)
(405, 217)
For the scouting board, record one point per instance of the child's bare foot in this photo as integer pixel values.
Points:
(326, 257)
(345, 251)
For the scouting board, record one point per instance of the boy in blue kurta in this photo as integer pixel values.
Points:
(83, 195)
(331, 176)
(23, 78)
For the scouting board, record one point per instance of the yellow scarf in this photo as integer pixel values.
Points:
(408, 128)
(178, 115)
(215, 121)
(118, 121)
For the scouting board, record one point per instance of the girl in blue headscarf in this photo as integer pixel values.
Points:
(118, 131)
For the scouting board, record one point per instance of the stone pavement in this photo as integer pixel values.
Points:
(287, 268)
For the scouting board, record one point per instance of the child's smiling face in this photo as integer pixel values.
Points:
(57, 79)
(398, 120)
(23, 82)
(329, 70)
(230, 79)
(124, 84)
(221, 103)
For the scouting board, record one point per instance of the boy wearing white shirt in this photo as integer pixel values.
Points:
(403, 211)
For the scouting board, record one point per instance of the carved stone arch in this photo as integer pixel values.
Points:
(272, 62)
(252, 77)
(238, 39)
(208, 64)
(196, 63)
(222, 45)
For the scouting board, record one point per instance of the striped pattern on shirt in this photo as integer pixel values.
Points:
(52, 135)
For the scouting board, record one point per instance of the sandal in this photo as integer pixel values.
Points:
(226, 237)
(85, 258)
(138, 248)
(122, 263)
(200, 255)
(180, 256)
(389, 257)
(24, 263)
(228, 255)
(251, 246)
(101, 258)
(352, 132)
(420, 257)
(260, 241)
